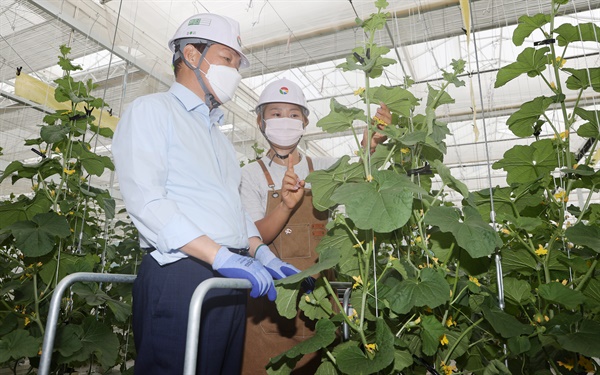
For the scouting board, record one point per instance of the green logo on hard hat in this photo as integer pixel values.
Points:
(194, 21)
(199, 21)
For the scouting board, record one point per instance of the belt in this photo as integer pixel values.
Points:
(241, 251)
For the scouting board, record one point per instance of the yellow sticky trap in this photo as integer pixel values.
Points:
(40, 92)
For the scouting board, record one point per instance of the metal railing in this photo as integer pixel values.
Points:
(193, 329)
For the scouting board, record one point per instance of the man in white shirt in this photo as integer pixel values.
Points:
(179, 178)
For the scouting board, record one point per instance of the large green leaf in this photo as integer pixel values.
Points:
(450, 180)
(327, 259)
(397, 99)
(584, 235)
(316, 305)
(324, 336)
(519, 291)
(18, 344)
(37, 237)
(531, 61)
(471, 233)
(590, 128)
(431, 332)
(584, 341)
(592, 291)
(23, 209)
(339, 238)
(525, 164)
(519, 344)
(584, 32)
(54, 133)
(91, 162)
(527, 25)
(525, 120)
(402, 359)
(352, 360)
(581, 79)
(385, 204)
(495, 367)
(430, 290)
(286, 301)
(558, 293)
(505, 324)
(67, 339)
(325, 182)
(100, 340)
(518, 260)
(340, 118)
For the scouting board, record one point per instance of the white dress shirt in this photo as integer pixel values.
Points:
(178, 174)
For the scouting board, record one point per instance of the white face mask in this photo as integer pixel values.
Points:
(224, 80)
(284, 131)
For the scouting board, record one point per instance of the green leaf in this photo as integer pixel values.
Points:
(286, 301)
(121, 310)
(326, 368)
(584, 235)
(324, 336)
(397, 99)
(518, 260)
(558, 293)
(36, 237)
(582, 32)
(99, 339)
(432, 331)
(54, 133)
(527, 25)
(460, 348)
(592, 290)
(436, 98)
(584, 341)
(471, 233)
(505, 324)
(383, 205)
(430, 290)
(450, 180)
(67, 339)
(18, 344)
(352, 360)
(525, 164)
(325, 182)
(340, 118)
(23, 209)
(531, 61)
(518, 344)
(319, 305)
(402, 359)
(590, 128)
(581, 79)
(519, 291)
(495, 367)
(327, 259)
(525, 120)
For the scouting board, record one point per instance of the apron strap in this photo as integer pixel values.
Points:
(310, 164)
(267, 174)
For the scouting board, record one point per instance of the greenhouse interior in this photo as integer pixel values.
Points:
(464, 240)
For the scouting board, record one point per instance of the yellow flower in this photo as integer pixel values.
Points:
(450, 322)
(447, 369)
(418, 239)
(505, 231)
(358, 244)
(359, 91)
(57, 150)
(307, 298)
(27, 321)
(575, 166)
(369, 178)
(562, 135)
(553, 85)
(371, 347)
(34, 187)
(444, 340)
(379, 121)
(69, 171)
(358, 281)
(474, 280)
(418, 320)
(568, 365)
(405, 150)
(561, 196)
(560, 61)
(586, 364)
(564, 282)
(52, 193)
(541, 251)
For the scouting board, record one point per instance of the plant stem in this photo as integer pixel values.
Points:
(587, 275)
(462, 335)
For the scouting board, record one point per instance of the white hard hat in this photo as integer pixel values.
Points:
(283, 91)
(211, 27)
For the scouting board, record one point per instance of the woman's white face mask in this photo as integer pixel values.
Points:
(284, 131)
(224, 80)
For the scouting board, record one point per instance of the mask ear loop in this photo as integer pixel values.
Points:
(209, 99)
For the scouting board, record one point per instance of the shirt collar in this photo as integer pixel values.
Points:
(192, 102)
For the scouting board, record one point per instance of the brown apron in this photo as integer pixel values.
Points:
(267, 333)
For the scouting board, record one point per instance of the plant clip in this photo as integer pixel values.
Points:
(19, 70)
(39, 153)
(424, 363)
(545, 41)
(426, 169)
(358, 57)
(88, 111)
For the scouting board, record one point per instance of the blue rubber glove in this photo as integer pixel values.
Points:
(276, 267)
(233, 265)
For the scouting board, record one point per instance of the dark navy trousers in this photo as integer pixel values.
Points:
(161, 299)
